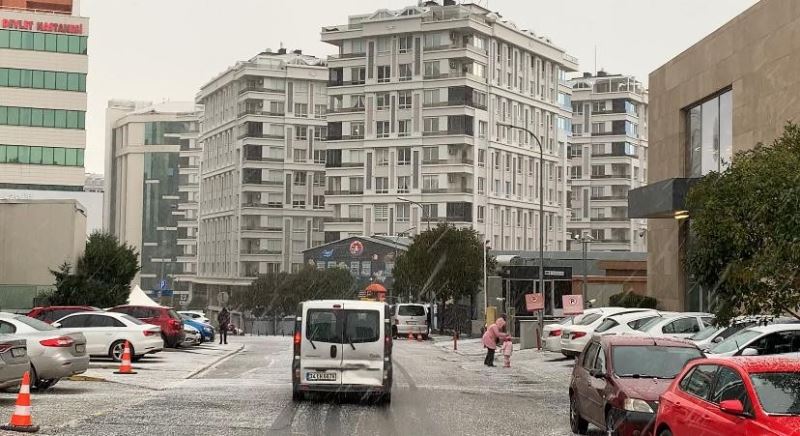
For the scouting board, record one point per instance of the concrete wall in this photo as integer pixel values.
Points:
(758, 55)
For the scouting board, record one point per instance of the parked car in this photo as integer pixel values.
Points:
(626, 323)
(206, 330)
(13, 361)
(760, 341)
(737, 396)
(53, 354)
(195, 314)
(191, 337)
(49, 314)
(712, 335)
(617, 380)
(170, 322)
(410, 318)
(342, 346)
(106, 333)
(575, 337)
(551, 334)
(677, 325)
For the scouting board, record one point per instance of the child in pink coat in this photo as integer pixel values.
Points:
(508, 347)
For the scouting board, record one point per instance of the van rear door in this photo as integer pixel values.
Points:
(321, 359)
(363, 348)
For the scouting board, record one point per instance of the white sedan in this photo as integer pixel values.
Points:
(677, 325)
(551, 334)
(106, 333)
(575, 338)
(760, 341)
(626, 323)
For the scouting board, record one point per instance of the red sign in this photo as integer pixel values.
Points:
(573, 304)
(534, 302)
(42, 26)
(356, 248)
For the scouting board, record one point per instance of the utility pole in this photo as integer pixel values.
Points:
(585, 239)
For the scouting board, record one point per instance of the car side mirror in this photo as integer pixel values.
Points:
(56, 325)
(749, 351)
(733, 407)
(718, 339)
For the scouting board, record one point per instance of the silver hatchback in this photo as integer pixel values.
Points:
(13, 361)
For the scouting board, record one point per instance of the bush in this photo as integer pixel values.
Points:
(629, 299)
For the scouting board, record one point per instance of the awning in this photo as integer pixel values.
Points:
(660, 199)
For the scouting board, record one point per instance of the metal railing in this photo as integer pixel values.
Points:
(261, 112)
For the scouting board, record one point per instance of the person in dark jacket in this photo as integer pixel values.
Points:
(223, 319)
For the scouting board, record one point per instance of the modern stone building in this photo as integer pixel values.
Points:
(608, 157)
(262, 179)
(426, 106)
(736, 87)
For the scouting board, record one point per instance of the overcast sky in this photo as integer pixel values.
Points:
(157, 50)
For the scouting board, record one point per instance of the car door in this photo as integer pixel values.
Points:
(321, 346)
(587, 400)
(81, 323)
(693, 406)
(728, 385)
(598, 386)
(682, 327)
(362, 350)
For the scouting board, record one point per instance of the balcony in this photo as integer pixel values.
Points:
(634, 155)
(346, 110)
(448, 190)
(263, 205)
(262, 159)
(448, 75)
(347, 56)
(447, 132)
(611, 218)
(341, 192)
(262, 228)
(610, 197)
(259, 89)
(261, 135)
(611, 176)
(466, 161)
(260, 251)
(261, 113)
(344, 137)
(344, 165)
(263, 182)
(338, 219)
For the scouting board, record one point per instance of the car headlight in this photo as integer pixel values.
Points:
(208, 330)
(636, 405)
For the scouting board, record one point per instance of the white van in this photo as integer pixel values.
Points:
(343, 346)
(410, 318)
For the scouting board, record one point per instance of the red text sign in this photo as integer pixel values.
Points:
(573, 304)
(534, 302)
(42, 26)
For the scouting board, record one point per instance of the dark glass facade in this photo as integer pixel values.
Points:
(159, 225)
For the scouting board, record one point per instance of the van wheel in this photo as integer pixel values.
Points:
(385, 399)
(297, 396)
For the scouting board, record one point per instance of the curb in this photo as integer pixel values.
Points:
(215, 362)
(86, 378)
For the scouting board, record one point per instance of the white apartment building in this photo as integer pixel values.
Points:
(262, 177)
(43, 66)
(608, 157)
(421, 106)
(148, 201)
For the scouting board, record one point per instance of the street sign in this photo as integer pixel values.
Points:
(162, 284)
(573, 304)
(534, 302)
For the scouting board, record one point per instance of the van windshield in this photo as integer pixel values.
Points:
(362, 325)
(411, 310)
(343, 326)
(323, 326)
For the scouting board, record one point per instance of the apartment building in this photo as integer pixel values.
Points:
(608, 157)
(262, 179)
(43, 68)
(425, 117)
(148, 201)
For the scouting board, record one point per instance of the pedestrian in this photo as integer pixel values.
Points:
(224, 320)
(490, 338)
(508, 348)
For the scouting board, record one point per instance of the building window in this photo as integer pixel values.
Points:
(481, 158)
(430, 182)
(404, 156)
(382, 156)
(598, 212)
(381, 185)
(430, 154)
(403, 128)
(38, 79)
(598, 170)
(481, 185)
(318, 202)
(356, 185)
(37, 117)
(319, 179)
(431, 69)
(384, 73)
(575, 172)
(598, 192)
(319, 156)
(357, 129)
(382, 129)
(575, 151)
(382, 101)
(404, 99)
(598, 128)
(709, 135)
(598, 149)
(384, 44)
(430, 97)
(403, 183)
(405, 44)
(430, 211)
(381, 212)
(300, 178)
(405, 72)
(432, 40)
(37, 41)
(299, 154)
(24, 154)
(403, 211)
(431, 124)
(300, 133)
(358, 76)
(483, 126)
(481, 213)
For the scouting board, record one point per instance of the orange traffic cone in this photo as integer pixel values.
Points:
(21, 418)
(410, 336)
(125, 366)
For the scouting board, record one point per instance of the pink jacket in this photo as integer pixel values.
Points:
(493, 333)
(508, 348)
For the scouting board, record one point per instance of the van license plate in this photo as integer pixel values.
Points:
(18, 352)
(321, 376)
(411, 322)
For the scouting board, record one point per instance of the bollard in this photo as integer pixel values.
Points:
(538, 340)
(455, 342)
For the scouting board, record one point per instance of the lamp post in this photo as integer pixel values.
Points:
(424, 215)
(485, 280)
(541, 210)
(585, 239)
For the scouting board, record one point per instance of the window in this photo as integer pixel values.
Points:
(319, 156)
(431, 69)
(384, 73)
(384, 44)
(382, 101)
(598, 170)
(404, 156)
(598, 128)
(403, 211)
(356, 185)
(300, 178)
(777, 392)
(382, 156)
(36, 117)
(651, 361)
(41, 155)
(682, 326)
(598, 191)
(430, 210)
(403, 128)
(403, 183)
(404, 99)
(576, 172)
(430, 154)
(300, 133)
(405, 44)
(730, 386)
(35, 41)
(62, 81)
(382, 129)
(357, 129)
(481, 213)
(778, 343)
(430, 97)
(481, 158)
(709, 135)
(432, 40)
(299, 154)
(300, 110)
(322, 326)
(355, 211)
(699, 381)
(381, 185)
(483, 127)
(381, 212)
(481, 185)
(590, 355)
(430, 182)
(598, 149)
(405, 72)
(358, 76)
(431, 124)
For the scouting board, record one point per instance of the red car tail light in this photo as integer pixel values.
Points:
(61, 341)
(555, 333)
(576, 335)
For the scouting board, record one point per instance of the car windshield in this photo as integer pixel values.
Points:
(411, 310)
(704, 334)
(588, 319)
(651, 361)
(649, 324)
(131, 319)
(778, 392)
(35, 324)
(735, 342)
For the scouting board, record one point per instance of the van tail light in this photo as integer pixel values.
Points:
(576, 335)
(297, 340)
(61, 341)
(555, 333)
(387, 345)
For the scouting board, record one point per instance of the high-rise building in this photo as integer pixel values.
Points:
(427, 107)
(262, 179)
(146, 202)
(608, 157)
(43, 66)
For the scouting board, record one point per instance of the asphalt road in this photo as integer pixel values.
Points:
(436, 392)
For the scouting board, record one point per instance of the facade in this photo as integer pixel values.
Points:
(429, 111)
(608, 157)
(262, 180)
(91, 202)
(35, 237)
(143, 202)
(94, 183)
(733, 89)
(43, 67)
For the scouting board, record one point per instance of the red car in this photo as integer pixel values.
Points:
(616, 382)
(170, 322)
(49, 314)
(733, 396)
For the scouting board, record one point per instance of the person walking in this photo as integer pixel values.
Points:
(508, 348)
(490, 338)
(224, 320)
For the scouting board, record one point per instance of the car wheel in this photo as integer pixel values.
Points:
(612, 423)
(116, 350)
(665, 432)
(576, 421)
(42, 385)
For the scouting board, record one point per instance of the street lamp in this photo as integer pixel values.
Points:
(424, 215)
(585, 239)
(485, 279)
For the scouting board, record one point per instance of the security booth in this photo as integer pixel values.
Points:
(518, 280)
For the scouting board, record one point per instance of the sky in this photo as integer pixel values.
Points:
(164, 50)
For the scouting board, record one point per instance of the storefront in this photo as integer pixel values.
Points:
(519, 280)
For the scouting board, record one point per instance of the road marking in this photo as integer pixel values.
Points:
(411, 385)
(284, 420)
(216, 363)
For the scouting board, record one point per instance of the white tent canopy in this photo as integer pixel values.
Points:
(139, 298)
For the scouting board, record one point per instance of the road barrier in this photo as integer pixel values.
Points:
(21, 418)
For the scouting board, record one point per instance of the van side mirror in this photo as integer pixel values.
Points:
(733, 407)
(749, 351)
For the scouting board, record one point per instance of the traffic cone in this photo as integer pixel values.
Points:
(125, 366)
(410, 336)
(21, 418)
